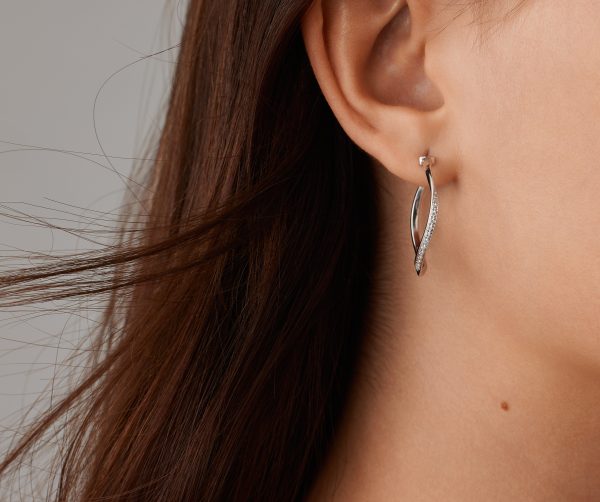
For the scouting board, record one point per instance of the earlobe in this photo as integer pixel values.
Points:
(369, 60)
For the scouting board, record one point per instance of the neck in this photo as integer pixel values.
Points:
(449, 402)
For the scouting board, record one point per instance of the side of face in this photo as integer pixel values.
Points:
(508, 100)
(523, 107)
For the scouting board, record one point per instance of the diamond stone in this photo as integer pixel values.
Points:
(428, 232)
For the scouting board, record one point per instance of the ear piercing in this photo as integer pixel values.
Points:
(421, 245)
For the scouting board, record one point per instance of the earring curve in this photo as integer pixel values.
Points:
(421, 245)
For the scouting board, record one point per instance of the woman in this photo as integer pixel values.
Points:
(273, 332)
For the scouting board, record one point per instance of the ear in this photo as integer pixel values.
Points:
(369, 57)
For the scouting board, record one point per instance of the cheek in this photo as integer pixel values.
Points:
(524, 112)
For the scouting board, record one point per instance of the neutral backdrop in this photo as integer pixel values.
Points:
(78, 98)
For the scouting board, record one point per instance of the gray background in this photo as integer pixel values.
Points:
(55, 57)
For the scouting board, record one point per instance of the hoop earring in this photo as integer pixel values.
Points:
(420, 246)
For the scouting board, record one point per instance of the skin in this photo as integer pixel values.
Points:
(481, 379)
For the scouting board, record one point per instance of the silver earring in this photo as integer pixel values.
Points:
(421, 245)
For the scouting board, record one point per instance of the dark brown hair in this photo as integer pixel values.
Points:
(236, 299)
